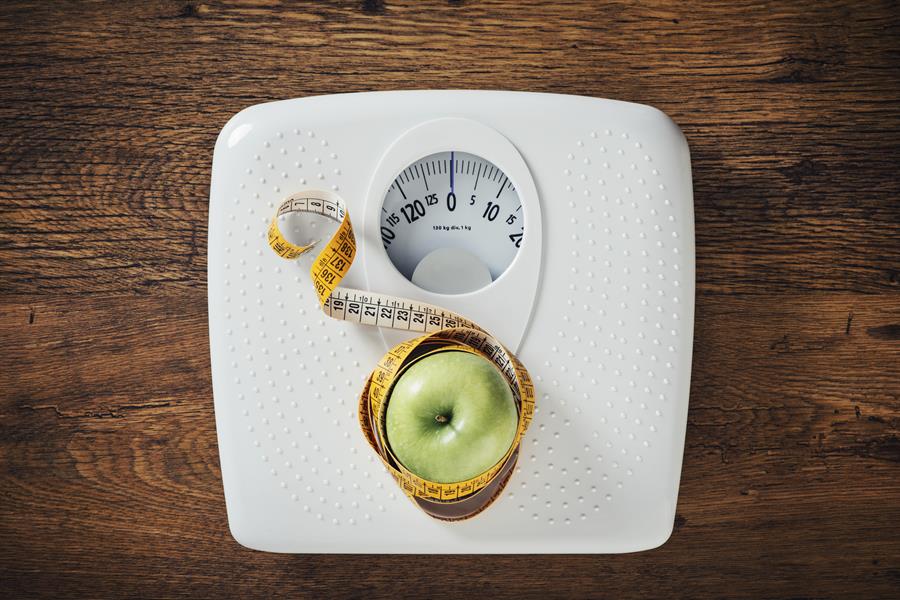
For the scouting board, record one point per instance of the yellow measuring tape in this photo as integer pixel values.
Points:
(443, 330)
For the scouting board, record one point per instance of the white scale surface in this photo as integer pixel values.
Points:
(608, 258)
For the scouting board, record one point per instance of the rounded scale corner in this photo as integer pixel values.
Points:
(240, 124)
(654, 530)
(656, 120)
(232, 123)
(243, 535)
(668, 124)
(665, 534)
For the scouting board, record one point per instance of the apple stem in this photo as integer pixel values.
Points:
(440, 419)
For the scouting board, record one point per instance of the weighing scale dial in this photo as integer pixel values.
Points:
(452, 222)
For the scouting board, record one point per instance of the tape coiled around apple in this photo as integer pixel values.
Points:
(442, 330)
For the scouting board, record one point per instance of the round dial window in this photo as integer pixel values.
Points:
(452, 222)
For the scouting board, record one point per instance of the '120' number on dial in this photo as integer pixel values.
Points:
(413, 210)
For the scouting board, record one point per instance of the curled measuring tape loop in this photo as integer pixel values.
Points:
(441, 330)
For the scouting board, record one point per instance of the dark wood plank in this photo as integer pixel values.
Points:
(113, 112)
(109, 477)
(792, 464)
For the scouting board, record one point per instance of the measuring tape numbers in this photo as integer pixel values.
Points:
(442, 330)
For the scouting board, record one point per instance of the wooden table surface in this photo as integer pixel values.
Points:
(109, 472)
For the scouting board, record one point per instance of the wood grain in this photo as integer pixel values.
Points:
(109, 477)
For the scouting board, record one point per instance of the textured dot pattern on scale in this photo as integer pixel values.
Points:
(618, 212)
(607, 371)
(336, 483)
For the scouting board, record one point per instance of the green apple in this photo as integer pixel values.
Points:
(451, 416)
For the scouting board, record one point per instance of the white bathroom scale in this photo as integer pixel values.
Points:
(563, 225)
